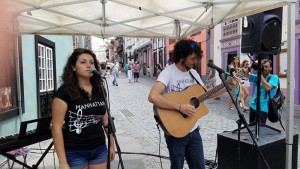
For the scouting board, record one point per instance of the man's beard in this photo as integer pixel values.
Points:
(184, 65)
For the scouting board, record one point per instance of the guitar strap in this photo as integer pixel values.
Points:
(197, 81)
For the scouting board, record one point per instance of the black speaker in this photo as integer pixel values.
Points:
(271, 143)
(263, 32)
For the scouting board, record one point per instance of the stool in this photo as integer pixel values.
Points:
(17, 153)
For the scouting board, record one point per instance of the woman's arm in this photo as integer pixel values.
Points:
(59, 109)
(109, 136)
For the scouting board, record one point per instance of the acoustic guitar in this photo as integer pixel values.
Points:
(175, 123)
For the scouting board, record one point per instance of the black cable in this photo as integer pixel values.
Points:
(147, 154)
(159, 145)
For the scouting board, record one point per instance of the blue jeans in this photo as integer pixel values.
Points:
(189, 147)
(115, 78)
(262, 116)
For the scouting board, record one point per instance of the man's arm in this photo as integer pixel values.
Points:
(209, 74)
(156, 97)
(265, 84)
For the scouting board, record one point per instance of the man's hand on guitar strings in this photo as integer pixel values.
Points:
(187, 109)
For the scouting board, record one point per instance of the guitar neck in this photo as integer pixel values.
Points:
(211, 92)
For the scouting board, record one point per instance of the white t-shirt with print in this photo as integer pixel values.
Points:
(175, 80)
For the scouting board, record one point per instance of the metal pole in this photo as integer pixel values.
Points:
(103, 18)
(18, 72)
(290, 83)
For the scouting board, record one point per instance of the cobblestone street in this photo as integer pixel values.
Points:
(136, 129)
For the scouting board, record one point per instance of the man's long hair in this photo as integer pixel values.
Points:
(184, 48)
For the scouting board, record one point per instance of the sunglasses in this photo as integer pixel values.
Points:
(194, 45)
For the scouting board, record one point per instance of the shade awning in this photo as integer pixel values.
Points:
(131, 18)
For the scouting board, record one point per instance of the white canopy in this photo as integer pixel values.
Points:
(132, 18)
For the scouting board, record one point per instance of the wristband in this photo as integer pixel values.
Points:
(179, 108)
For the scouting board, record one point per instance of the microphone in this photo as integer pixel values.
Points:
(95, 72)
(211, 65)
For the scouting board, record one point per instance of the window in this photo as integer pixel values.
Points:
(282, 63)
(45, 59)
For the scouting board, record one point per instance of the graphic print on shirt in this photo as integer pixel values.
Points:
(78, 121)
(181, 85)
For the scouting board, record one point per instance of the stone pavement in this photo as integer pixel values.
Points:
(137, 133)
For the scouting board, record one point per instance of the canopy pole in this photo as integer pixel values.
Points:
(18, 72)
(103, 18)
(290, 83)
(177, 29)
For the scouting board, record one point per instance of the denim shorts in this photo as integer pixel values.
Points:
(78, 159)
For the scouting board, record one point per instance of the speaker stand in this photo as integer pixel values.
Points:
(242, 121)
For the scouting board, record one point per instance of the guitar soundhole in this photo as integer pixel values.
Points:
(195, 102)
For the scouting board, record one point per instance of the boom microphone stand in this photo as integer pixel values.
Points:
(243, 121)
(111, 125)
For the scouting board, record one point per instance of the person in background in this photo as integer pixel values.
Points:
(237, 92)
(176, 78)
(136, 71)
(79, 130)
(170, 61)
(115, 70)
(148, 71)
(129, 73)
(158, 69)
(211, 78)
(266, 86)
(244, 80)
(126, 68)
(144, 69)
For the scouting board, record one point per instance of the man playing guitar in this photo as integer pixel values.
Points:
(174, 79)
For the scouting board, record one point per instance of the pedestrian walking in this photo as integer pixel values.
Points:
(136, 71)
(115, 72)
(129, 72)
(148, 71)
(211, 78)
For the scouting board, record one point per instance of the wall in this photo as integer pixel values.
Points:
(63, 50)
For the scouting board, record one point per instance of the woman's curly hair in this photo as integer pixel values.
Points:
(69, 79)
(184, 48)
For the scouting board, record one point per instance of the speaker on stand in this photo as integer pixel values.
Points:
(262, 33)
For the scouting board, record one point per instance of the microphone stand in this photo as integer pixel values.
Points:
(111, 127)
(241, 121)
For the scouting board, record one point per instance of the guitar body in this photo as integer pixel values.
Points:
(175, 123)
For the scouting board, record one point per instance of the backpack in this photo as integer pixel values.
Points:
(275, 105)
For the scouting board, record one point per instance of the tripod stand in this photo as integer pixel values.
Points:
(258, 99)
(111, 127)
